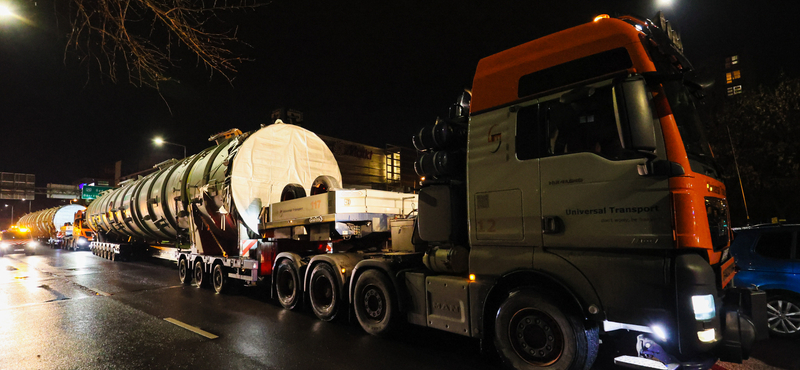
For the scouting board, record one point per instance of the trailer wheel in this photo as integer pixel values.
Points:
(183, 271)
(287, 285)
(199, 275)
(220, 280)
(324, 292)
(375, 303)
(531, 332)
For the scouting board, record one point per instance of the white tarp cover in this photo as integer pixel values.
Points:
(273, 157)
(66, 214)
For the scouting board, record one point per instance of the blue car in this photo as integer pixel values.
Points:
(768, 257)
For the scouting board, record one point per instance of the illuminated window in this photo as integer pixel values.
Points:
(393, 166)
(730, 76)
(734, 90)
(730, 61)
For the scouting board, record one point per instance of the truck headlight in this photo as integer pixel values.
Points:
(82, 241)
(659, 332)
(703, 306)
(707, 336)
(33, 244)
(4, 245)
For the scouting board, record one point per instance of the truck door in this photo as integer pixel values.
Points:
(593, 195)
(503, 187)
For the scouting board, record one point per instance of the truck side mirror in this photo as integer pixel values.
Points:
(637, 112)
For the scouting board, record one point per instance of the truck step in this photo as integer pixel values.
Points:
(643, 363)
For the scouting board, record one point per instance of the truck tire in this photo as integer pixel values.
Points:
(375, 303)
(183, 271)
(219, 279)
(324, 292)
(287, 285)
(531, 332)
(199, 275)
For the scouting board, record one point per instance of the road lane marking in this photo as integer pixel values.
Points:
(191, 328)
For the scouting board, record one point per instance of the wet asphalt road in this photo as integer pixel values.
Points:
(73, 310)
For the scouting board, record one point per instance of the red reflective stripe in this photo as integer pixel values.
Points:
(247, 244)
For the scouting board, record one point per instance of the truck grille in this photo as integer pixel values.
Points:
(717, 211)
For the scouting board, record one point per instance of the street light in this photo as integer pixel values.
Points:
(5, 11)
(159, 141)
(8, 12)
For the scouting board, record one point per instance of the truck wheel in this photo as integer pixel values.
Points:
(219, 279)
(183, 271)
(783, 316)
(199, 275)
(324, 292)
(375, 303)
(287, 285)
(533, 333)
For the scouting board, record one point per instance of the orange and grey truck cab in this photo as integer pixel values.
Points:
(17, 240)
(582, 173)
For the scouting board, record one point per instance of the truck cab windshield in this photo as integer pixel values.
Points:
(690, 126)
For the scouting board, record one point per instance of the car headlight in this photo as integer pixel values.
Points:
(703, 306)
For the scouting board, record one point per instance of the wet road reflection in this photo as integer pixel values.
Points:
(73, 310)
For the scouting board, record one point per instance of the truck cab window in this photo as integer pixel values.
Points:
(528, 135)
(585, 123)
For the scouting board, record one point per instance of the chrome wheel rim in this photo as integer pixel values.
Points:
(783, 316)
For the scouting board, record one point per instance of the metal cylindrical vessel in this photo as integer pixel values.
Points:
(217, 187)
(45, 223)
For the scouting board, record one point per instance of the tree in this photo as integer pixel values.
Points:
(140, 40)
(764, 126)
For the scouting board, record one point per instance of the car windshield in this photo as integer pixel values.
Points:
(15, 234)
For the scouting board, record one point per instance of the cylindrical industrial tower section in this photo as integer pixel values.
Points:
(215, 188)
(45, 223)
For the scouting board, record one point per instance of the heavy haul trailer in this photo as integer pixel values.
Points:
(572, 195)
(45, 224)
(304, 230)
(208, 204)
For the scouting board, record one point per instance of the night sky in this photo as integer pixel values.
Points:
(372, 72)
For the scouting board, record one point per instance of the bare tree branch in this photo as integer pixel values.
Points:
(138, 39)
